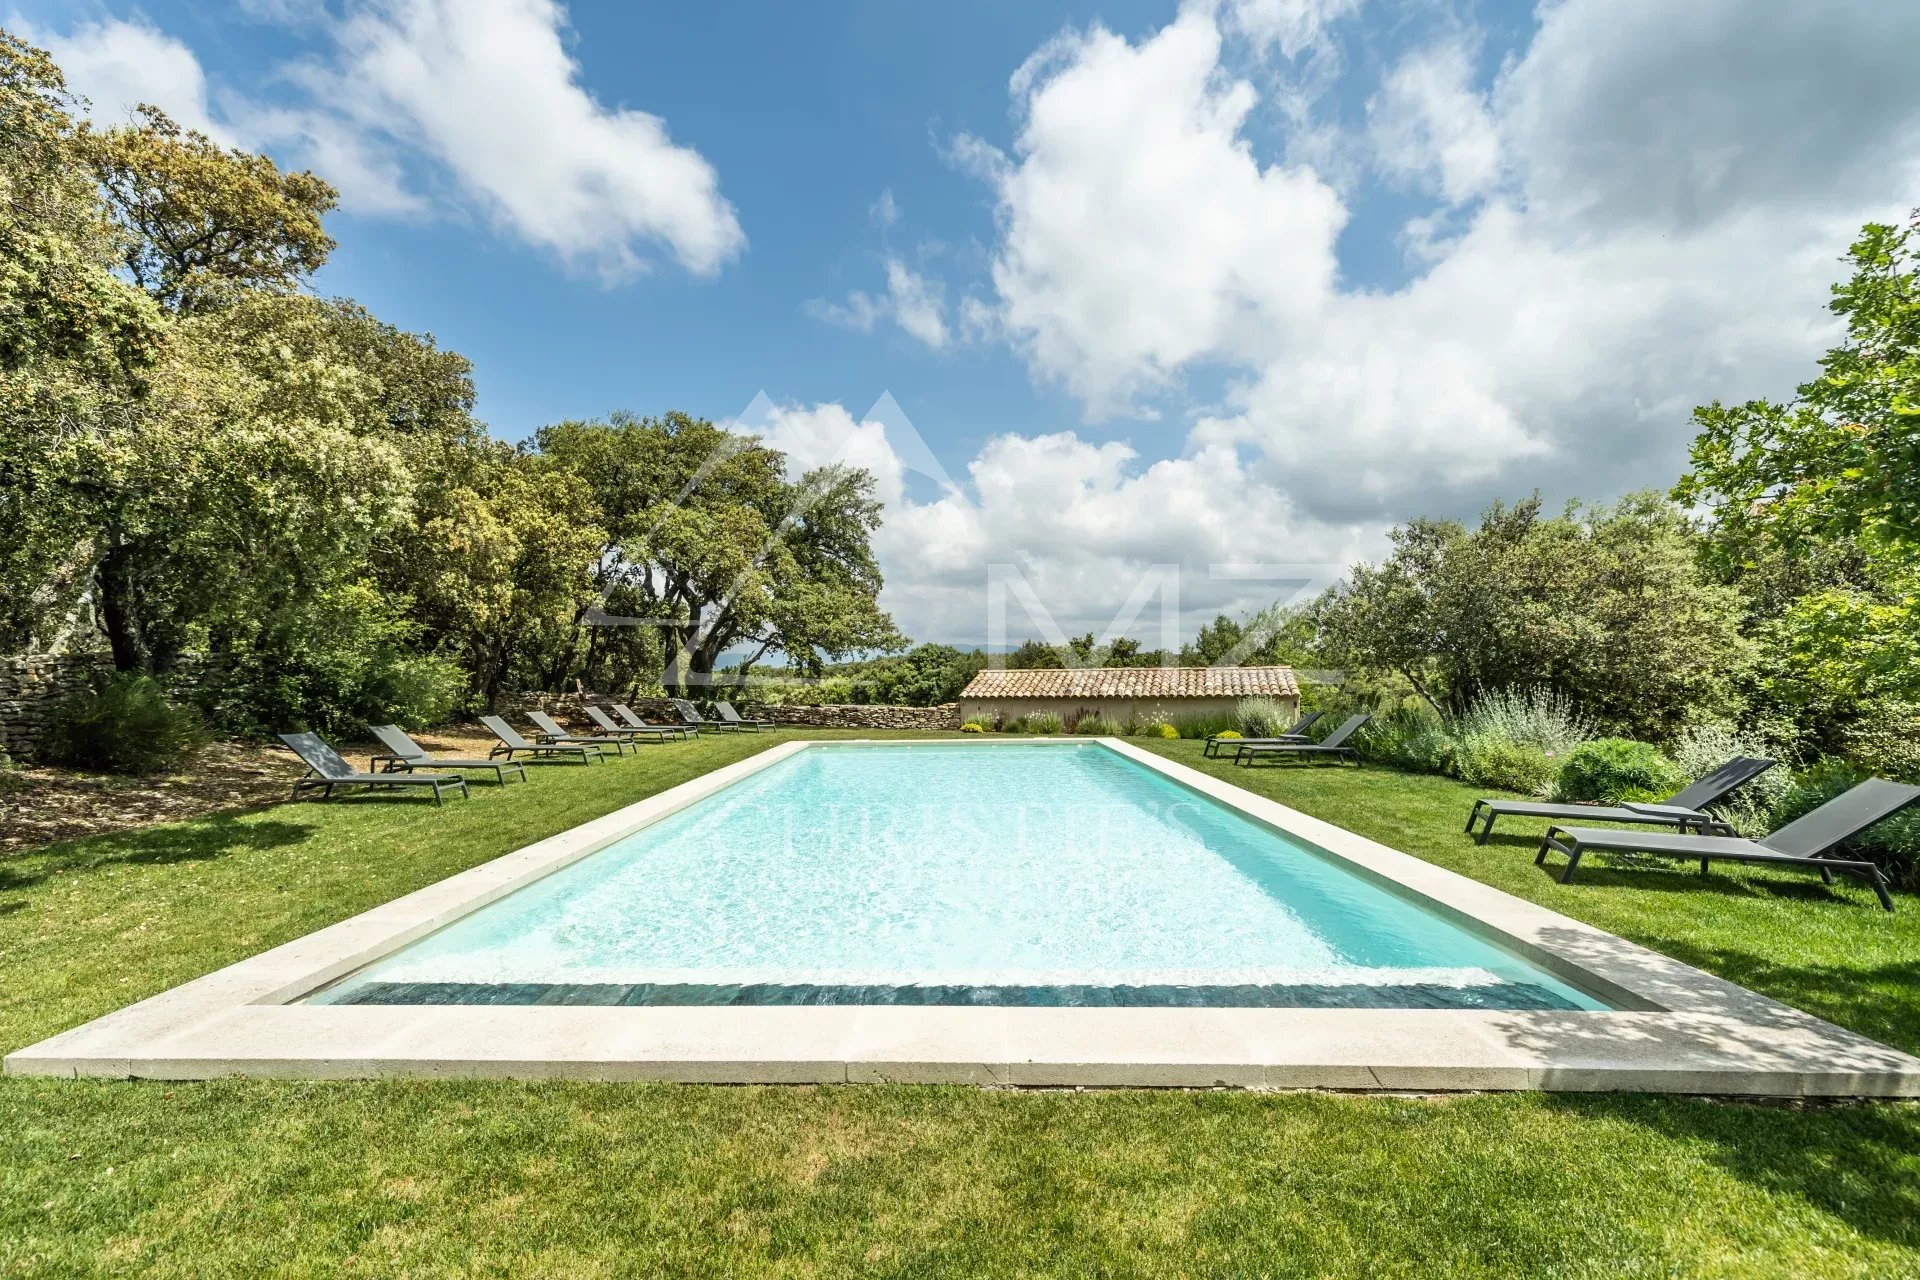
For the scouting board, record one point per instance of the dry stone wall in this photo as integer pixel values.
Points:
(567, 707)
(33, 685)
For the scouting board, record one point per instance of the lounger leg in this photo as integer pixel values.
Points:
(1573, 860)
(1473, 815)
(1879, 884)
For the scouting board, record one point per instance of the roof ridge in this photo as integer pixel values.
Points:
(1273, 679)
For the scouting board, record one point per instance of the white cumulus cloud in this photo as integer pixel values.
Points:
(1640, 212)
(418, 107)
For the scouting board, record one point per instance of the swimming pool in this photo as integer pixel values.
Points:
(1056, 875)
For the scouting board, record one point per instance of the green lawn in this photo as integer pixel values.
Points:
(427, 1178)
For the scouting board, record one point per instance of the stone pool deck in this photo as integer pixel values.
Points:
(1673, 1028)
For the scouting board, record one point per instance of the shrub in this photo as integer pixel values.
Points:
(1611, 770)
(1205, 726)
(125, 726)
(1508, 766)
(1263, 717)
(973, 726)
(1533, 716)
(1408, 737)
(1168, 731)
(1044, 722)
(1885, 741)
(414, 691)
(1702, 748)
(1097, 726)
(1228, 733)
(1892, 843)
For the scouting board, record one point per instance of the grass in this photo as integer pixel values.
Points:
(254, 1178)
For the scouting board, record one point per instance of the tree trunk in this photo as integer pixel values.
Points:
(120, 610)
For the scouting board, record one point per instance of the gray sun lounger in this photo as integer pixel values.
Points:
(405, 755)
(326, 770)
(688, 715)
(1685, 808)
(512, 744)
(1805, 842)
(553, 732)
(729, 716)
(634, 733)
(1296, 734)
(1332, 746)
(625, 712)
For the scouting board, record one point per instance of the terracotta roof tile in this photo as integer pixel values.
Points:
(1136, 682)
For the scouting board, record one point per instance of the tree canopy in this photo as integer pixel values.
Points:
(1607, 606)
(1815, 504)
(196, 452)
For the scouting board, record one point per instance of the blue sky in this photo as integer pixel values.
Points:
(1156, 284)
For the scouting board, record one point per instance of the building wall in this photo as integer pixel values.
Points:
(1119, 709)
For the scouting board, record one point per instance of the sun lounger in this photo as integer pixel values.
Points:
(625, 712)
(512, 744)
(1807, 842)
(688, 715)
(729, 716)
(326, 770)
(1685, 808)
(1296, 734)
(647, 732)
(404, 755)
(552, 731)
(1332, 746)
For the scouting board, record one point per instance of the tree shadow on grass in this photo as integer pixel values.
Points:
(1853, 1161)
(198, 841)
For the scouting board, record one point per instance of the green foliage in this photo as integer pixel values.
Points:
(1537, 717)
(1205, 726)
(1042, 722)
(125, 726)
(973, 726)
(1893, 843)
(1565, 603)
(925, 676)
(1165, 730)
(1263, 717)
(1097, 726)
(1507, 765)
(1610, 770)
(1083, 652)
(335, 662)
(1285, 635)
(198, 217)
(1702, 748)
(1411, 735)
(1885, 740)
(1228, 733)
(1816, 506)
(706, 529)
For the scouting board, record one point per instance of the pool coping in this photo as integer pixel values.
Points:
(1679, 1029)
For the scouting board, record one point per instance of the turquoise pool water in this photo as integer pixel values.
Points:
(958, 874)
